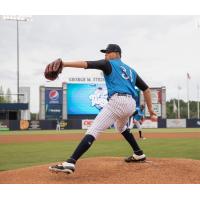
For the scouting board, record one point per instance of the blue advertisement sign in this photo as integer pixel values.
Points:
(53, 103)
(86, 98)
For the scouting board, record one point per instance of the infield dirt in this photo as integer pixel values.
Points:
(111, 170)
(7, 139)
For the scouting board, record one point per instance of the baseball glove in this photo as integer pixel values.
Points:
(53, 70)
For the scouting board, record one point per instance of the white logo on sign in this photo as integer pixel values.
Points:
(99, 98)
(198, 123)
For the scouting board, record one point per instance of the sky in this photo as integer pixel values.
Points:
(162, 49)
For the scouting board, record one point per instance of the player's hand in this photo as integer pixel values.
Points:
(153, 115)
(53, 69)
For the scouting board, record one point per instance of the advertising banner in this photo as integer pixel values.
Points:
(63, 124)
(156, 108)
(34, 125)
(147, 123)
(156, 95)
(86, 98)
(30, 125)
(53, 103)
(137, 100)
(4, 125)
(176, 123)
(162, 123)
(193, 123)
(86, 123)
(24, 124)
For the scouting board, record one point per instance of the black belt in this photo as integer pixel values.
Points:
(120, 94)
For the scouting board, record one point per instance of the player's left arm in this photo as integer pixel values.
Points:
(103, 65)
(75, 64)
(55, 68)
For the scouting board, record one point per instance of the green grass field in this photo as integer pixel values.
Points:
(151, 130)
(20, 155)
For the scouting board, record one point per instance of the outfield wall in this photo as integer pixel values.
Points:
(6, 125)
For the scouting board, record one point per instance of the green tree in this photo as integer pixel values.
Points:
(183, 109)
(2, 98)
(8, 97)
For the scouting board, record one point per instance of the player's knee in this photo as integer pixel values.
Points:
(120, 129)
(92, 133)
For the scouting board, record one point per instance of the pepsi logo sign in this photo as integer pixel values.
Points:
(54, 95)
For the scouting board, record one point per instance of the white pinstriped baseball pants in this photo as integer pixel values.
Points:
(117, 111)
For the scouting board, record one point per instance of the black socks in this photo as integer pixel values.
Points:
(83, 146)
(87, 141)
(140, 133)
(131, 140)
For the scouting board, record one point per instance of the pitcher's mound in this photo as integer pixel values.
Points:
(112, 170)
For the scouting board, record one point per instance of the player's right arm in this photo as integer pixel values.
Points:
(147, 95)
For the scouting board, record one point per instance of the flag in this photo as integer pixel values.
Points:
(188, 76)
(174, 107)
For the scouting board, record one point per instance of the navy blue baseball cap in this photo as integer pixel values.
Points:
(112, 48)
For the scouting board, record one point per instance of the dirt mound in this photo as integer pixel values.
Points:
(112, 170)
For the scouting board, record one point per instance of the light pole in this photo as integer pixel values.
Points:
(198, 27)
(17, 18)
(198, 101)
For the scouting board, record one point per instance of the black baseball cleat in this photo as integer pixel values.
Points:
(65, 167)
(135, 158)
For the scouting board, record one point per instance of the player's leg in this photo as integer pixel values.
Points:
(138, 154)
(131, 124)
(103, 121)
(139, 128)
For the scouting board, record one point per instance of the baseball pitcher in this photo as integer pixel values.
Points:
(120, 81)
